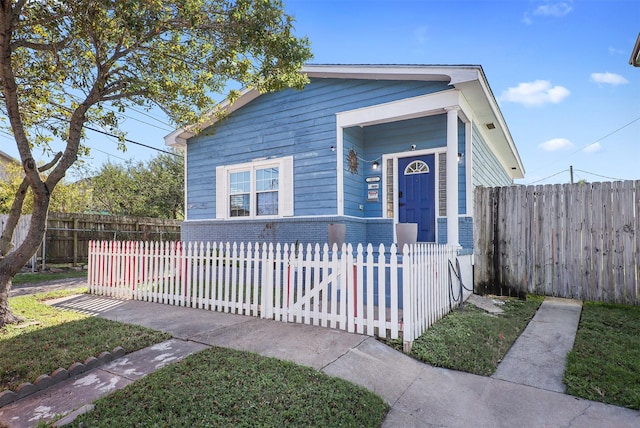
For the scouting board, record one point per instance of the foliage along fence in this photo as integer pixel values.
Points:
(364, 291)
(570, 240)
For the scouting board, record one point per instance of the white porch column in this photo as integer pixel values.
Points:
(452, 175)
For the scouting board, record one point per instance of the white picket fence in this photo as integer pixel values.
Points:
(364, 291)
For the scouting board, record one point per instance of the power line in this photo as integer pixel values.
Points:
(108, 154)
(151, 117)
(594, 142)
(131, 141)
(613, 132)
(542, 179)
(598, 175)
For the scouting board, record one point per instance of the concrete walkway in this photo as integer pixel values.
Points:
(420, 395)
(539, 355)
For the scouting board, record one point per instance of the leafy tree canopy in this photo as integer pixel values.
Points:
(152, 189)
(66, 64)
(67, 197)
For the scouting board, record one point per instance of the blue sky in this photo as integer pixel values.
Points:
(559, 70)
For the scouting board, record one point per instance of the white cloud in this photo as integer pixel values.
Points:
(608, 78)
(615, 51)
(535, 93)
(555, 9)
(556, 144)
(593, 148)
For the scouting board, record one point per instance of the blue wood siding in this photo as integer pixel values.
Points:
(487, 170)
(289, 122)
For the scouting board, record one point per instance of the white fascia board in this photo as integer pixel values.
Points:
(445, 73)
(178, 138)
(485, 110)
(408, 108)
(508, 139)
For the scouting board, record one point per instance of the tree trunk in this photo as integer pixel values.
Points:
(6, 316)
(13, 262)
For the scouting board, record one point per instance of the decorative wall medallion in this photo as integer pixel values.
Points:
(352, 160)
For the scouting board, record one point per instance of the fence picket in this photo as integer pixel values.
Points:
(393, 303)
(369, 291)
(636, 247)
(628, 258)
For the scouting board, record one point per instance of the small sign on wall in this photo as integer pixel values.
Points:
(373, 186)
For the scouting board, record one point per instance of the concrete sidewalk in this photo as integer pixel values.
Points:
(420, 395)
(538, 357)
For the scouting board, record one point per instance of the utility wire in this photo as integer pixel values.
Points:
(108, 154)
(596, 141)
(598, 175)
(613, 132)
(542, 179)
(131, 141)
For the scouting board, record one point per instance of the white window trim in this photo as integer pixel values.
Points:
(285, 187)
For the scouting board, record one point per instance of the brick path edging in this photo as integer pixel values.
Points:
(45, 381)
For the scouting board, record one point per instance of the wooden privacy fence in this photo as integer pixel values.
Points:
(364, 291)
(68, 235)
(570, 240)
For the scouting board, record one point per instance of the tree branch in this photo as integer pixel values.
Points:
(45, 47)
(6, 239)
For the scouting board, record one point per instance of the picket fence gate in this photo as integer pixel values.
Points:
(367, 291)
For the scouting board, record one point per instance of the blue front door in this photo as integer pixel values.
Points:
(416, 195)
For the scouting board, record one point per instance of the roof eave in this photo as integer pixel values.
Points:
(447, 73)
(635, 54)
(510, 158)
(459, 76)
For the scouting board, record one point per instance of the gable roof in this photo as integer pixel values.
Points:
(469, 79)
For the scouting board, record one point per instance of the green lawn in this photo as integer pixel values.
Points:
(228, 388)
(216, 387)
(37, 277)
(473, 340)
(603, 366)
(605, 362)
(51, 338)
